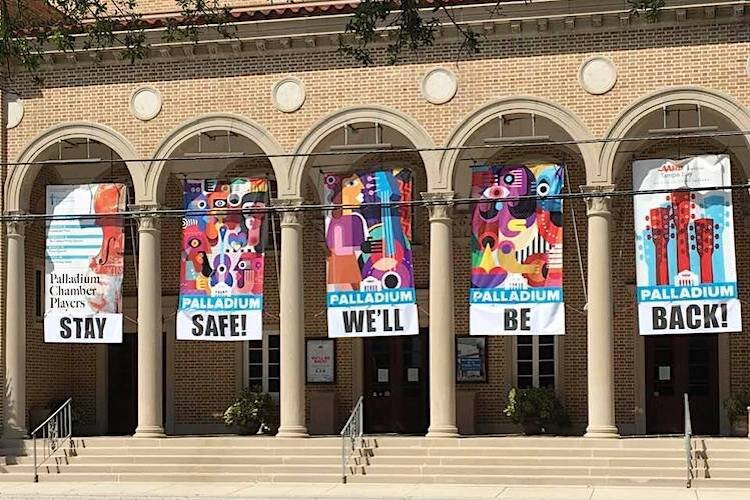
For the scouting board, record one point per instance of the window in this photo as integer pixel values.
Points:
(263, 363)
(535, 361)
(38, 293)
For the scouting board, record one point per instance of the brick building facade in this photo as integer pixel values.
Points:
(687, 71)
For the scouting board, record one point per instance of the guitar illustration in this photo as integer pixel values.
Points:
(549, 266)
(222, 274)
(704, 243)
(659, 219)
(681, 213)
(386, 251)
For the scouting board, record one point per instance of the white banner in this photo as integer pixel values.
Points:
(370, 278)
(222, 264)
(84, 264)
(517, 250)
(685, 263)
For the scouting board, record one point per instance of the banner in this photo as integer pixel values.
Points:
(221, 274)
(370, 279)
(84, 264)
(684, 242)
(517, 251)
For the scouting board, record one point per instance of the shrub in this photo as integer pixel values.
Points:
(736, 405)
(252, 411)
(536, 409)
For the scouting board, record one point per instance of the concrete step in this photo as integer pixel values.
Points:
(529, 480)
(525, 452)
(209, 450)
(525, 461)
(66, 469)
(526, 442)
(191, 459)
(514, 470)
(743, 483)
(723, 473)
(175, 477)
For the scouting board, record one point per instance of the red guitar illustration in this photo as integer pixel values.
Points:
(704, 244)
(659, 219)
(387, 253)
(681, 210)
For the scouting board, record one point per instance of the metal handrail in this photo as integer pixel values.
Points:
(688, 442)
(353, 430)
(54, 431)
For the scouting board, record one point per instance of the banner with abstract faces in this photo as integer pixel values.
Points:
(370, 280)
(84, 264)
(517, 250)
(684, 238)
(224, 234)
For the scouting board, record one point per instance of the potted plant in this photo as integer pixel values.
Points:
(536, 409)
(736, 406)
(253, 411)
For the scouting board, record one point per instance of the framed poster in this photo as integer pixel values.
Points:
(471, 359)
(320, 361)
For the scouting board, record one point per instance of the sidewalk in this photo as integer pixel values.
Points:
(207, 491)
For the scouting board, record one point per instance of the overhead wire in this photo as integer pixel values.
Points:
(181, 212)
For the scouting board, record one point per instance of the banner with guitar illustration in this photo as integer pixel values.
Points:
(684, 239)
(370, 280)
(84, 264)
(517, 250)
(224, 233)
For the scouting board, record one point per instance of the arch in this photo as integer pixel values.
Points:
(156, 176)
(18, 186)
(631, 116)
(384, 116)
(565, 119)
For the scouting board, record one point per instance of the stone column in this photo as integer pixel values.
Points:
(149, 328)
(601, 377)
(442, 336)
(292, 323)
(15, 330)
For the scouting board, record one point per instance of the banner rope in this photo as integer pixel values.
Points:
(578, 241)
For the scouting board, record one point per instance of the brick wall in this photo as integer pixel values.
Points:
(206, 374)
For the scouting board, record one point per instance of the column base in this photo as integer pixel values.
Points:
(149, 431)
(602, 431)
(292, 431)
(15, 434)
(442, 431)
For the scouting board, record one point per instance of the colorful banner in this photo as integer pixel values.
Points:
(369, 272)
(221, 276)
(84, 264)
(684, 242)
(517, 251)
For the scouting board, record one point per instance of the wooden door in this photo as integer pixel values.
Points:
(679, 364)
(122, 386)
(395, 384)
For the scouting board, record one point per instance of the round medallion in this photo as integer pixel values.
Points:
(288, 94)
(597, 75)
(439, 86)
(14, 107)
(145, 103)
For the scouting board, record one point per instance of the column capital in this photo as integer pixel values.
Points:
(600, 202)
(289, 208)
(439, 204)
(145, 217)
(16, 224)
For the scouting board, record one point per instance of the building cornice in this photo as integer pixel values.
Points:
(314, 27)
